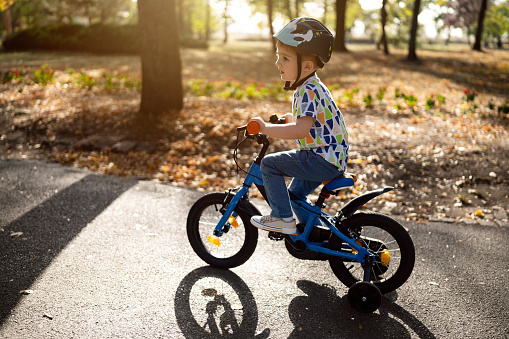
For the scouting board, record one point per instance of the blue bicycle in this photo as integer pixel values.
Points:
(370, 253)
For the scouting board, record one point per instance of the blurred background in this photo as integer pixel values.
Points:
(203, 22)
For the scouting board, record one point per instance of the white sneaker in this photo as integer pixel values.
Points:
(270, 223)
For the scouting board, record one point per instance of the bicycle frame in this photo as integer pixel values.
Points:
(254, 176)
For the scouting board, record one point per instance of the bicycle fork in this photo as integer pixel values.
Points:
(228, 220)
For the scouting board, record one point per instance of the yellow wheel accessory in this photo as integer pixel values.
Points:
(214, 240)
(358, 242)
(233, 222)
(385, 257)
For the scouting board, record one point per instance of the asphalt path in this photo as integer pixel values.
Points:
(91, 256)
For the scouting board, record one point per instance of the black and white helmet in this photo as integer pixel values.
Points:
(309, 36)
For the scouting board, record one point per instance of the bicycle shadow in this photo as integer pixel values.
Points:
(336, 319)
(205, 306)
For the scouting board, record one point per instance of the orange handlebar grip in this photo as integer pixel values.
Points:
(253, 127)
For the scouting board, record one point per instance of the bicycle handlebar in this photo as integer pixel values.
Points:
(253, 127)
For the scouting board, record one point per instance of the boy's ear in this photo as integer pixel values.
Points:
(308, 65)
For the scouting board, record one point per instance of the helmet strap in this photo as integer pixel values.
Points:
(293, 87)
(298, 82)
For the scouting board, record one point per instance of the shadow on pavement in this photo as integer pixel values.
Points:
(322, 314)
(47, 229)
(215, 303)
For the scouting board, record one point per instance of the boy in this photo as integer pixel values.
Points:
(316, 124)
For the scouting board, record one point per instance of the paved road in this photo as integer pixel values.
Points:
(107, 257)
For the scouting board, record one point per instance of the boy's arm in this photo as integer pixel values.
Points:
(293, 130)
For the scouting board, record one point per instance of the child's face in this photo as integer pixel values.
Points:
(286, 63)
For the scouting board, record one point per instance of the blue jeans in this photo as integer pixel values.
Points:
(308, 171)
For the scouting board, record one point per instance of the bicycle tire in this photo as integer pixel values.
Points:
(376, 232)
(237, 244)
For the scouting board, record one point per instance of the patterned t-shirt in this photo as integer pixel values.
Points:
(328, 136)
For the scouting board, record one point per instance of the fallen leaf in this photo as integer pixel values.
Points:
(16, 234)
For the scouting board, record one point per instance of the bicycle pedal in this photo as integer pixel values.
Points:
(276, 236)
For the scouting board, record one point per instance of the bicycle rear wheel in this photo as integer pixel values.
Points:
(389, 242)
(237, 244)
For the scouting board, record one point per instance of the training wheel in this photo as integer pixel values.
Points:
(364, 297)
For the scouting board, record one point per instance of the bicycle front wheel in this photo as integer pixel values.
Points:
(387, 240)
(239, 238)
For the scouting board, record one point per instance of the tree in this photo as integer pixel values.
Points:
(497, 22)
(270, 8)
(162, 92)
(207, 21)
(195, 19)
(383, 18)
(5, 8)
(183, 17)
(462, 14)
(480, 22)
(288, 10)
(226, 18)
(412, 56)
(339, 42)
(325, 10)
(399, 21)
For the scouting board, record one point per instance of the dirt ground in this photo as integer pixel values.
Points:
(447, 161)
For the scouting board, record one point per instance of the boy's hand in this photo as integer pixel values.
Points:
(288, 117)
(260, 121)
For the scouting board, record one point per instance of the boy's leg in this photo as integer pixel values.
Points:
(302, 188)
(304, 165)
(274, 168)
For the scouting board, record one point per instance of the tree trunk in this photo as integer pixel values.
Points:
(225, 16)
(7, 21)
(383, 39)
(207, 22)
(480, 23)
(288, 10)
(325, 6)
(412, 56)
(339, 43)
(269, 14)
(184, 18)
(162, 92)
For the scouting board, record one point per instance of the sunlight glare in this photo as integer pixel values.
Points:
(369, 5)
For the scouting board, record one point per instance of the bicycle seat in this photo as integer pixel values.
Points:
(346, 180)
